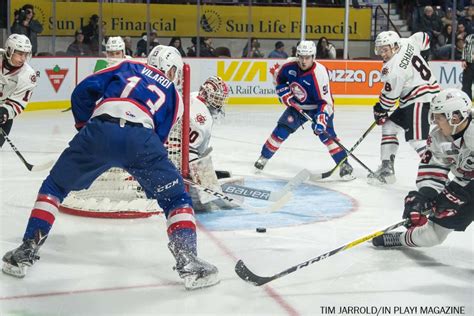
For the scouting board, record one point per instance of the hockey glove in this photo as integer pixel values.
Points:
(3, 115)
(415, 204)
(285, 94)
(450, 201)
(320, 125)
(380, 114)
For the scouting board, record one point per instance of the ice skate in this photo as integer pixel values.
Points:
(385, 172)
(388, 240)
(260, 163)
(195, 272)
(345, 171)
(17, 261)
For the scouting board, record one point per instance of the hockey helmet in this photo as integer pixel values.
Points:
(115, 44)
(17, 42)
(306, 48)
(451, 102)
(387, 38)
(215, 91)
(165, 58)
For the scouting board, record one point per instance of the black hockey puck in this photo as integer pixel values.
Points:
(261, 230)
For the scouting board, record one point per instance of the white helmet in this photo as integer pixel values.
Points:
(306, 48)
(17, 42)
(115, 44)
(165, 58)
(215, 91)
(385, 38)
(449, 102)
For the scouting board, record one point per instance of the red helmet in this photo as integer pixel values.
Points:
(215, 91)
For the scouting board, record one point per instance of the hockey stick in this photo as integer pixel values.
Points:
(309, 118)
(270, 208)
(29, 166)
(327, 174)
(67, 110)
(245, 274)
(254, 193)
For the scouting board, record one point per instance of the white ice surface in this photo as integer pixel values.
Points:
(123, 267)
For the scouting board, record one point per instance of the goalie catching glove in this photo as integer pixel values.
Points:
(380, 114)
(285, 95)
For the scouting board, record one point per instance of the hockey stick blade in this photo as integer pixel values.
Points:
(41, 167)
(266, 195)
(28, 166)
(245, 274)
(265, 209)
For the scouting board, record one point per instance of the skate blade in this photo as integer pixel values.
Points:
(348, 177)
(376, 181)
(16, 271)
(192, 282)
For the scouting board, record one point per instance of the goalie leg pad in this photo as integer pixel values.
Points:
(202, 172)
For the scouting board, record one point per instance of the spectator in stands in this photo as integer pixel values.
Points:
(468, 65)
(176, 43)
(78, 47)
(447, 19)
(205, 47)
(467, 19)
(446, 38)
(461, 31)
(254, 51)
(222, 51)
(279, 51)
(26, 24)
(325, 50)
(91, 34)
(128, 46)
(431, 23)
(141, 45)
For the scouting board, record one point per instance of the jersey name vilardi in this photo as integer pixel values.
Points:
(130, 90)
(310, 88)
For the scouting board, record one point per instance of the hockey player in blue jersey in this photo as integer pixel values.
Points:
(303, 82)
(124, 114)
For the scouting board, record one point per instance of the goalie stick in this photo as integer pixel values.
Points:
(348, 152)
(266, 195)
(265, 209)
(29, 166)
(327, 174)
(245, 274)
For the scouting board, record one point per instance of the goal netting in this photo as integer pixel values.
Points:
(116, 194)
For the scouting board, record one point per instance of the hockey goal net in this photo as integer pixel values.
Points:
(116, 194)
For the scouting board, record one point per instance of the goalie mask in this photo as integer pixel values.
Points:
(387, 44)
(17, 43)
(452, 103)
(215, 92)
(168, 60)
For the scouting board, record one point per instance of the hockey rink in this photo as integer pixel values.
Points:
(123, 267)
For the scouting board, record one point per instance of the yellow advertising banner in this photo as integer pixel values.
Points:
(227, 21)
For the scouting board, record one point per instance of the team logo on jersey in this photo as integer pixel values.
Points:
(384, 71)
(56, 76)
(298, 91)
(201, 119)
(292, 73)
(33, 78)
(290, 119)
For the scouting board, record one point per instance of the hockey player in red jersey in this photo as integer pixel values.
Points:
(17, 80)
(408, 79)
(450, 148)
